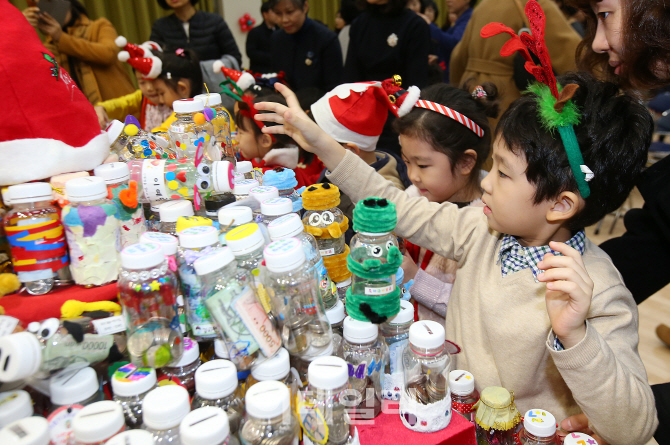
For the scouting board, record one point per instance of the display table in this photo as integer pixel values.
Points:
(28, 308)
(388, 428)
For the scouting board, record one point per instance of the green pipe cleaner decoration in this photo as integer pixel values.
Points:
(373, 268)
(376, 309)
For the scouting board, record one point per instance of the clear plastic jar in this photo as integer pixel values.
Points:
(130, 385)
(92, 232)
(290, 225)
(395, 333)
(14, 405)
(146, 145)
(170, 212)
(205, 426)
(372, 246)
(296, 299)
(328, 394)
(367, 355)
(118, 142)
(231, 217)
(269, 418)
(243, 188)
(34, 221)
(148, 296)
(342, 288)
(284, 180)
(152, 215)
(191, 129)
(164, 408)
(183, 373)
(129, 211)
(194, 243)
(216, 385)
(463, 394)
(132, 437)
(241, 319)
(28, 431)
(496, 410)
(321, 219)
(221, 123)
(274, 208)
(301, 365)
(426, 363)
(97, 423)
(539, 428)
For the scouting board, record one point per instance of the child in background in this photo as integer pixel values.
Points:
(569, 345)
(267, 151)
(180, 78)
(143, 103)
(444, 160)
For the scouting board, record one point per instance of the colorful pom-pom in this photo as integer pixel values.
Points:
(209, 113)
(131, 130)
(199, 119)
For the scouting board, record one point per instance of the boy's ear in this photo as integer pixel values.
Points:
(467, 162)
(184, 88)
(564, 207)
(353, 148)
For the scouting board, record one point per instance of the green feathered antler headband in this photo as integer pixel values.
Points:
(556, 110)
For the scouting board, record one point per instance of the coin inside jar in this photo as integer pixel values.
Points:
(436, 387)
(416, 389)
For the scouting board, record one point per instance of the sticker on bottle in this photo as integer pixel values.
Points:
(313, 423)
(380, 290)
(110, 325)
(60, 423)
(221, 306)
(7, 325)
(327, 252)
(153, 180)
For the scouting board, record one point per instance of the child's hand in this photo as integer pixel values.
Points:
(569, 292)
(409, 268)
(103, 120)
(579, 423)
(294, 123)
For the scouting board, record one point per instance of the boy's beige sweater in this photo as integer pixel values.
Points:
(502, 325)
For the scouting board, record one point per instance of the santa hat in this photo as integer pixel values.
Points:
(243, 79)
(149, 67)
(47, 126)
(152, 46)
(402, 101)
(354, 113)
(132, 49)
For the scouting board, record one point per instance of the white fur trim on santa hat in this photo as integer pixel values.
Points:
(152, 46)
(121, 41)
(39, 158)
(246, 81)
(410, 100)
(286, 157)
(123, 56)
(156, 68)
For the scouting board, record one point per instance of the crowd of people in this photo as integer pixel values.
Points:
(298, 116)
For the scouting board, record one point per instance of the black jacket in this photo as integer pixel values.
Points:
(209, 36)
(259, 49)
(310, 58)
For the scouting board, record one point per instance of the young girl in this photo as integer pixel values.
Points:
(267, 151)
(444, 160)
(180, 78)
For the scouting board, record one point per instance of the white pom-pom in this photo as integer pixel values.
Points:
(121, 41)
(123, 56)
(245, 81)
(216, 67)
(411, 98)
(156, 68)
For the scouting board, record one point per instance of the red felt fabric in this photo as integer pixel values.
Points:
(388, 429)
(28, 308)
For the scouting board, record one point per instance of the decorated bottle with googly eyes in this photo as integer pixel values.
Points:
(192, 130)
(148, 292)
(324, 219)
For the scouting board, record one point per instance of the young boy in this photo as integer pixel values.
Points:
(569, 345)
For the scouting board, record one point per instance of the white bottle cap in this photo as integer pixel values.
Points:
(187, 106)
(245, 239)
(213, 261)
(98, 422)
(222, 176)
(165, 407)
(275, 368)
(243, 167)
(578, 439)
(325, 353)
(14, 405)
(142, 256)
(426, 334)
(220, 349)
(114, 130)
(244, 186)
(30, 192)
(268, 399)
(129, 380)
(236, 214)
(87, 188)
(264, 192)
(540, 423)
(276, 206)
(156, 204)
(167, 242)
(285, 226)
(216, 379)
(113, 173)
(28, 431)
(461, 382)
(190, 355)
(336, 313)
(206, 425)
(356, 331)
(342, 284)
(405, 315)
(72, 386)
(209, 100)
(132, 437)
(21, 356)
(171, 211)
(328, 373)
(284, 255)
(198, 237)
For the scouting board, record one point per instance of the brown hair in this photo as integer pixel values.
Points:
(646, 48)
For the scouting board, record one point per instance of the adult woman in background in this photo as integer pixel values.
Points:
(86, 50)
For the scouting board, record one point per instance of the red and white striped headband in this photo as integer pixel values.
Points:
(453, 114)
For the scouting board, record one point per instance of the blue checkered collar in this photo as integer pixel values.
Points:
(513, 257)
